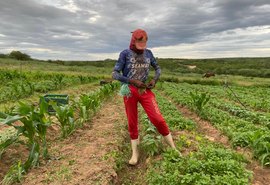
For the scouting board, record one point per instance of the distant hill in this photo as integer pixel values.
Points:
(253, 67)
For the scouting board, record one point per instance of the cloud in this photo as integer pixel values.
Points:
(89, 29)
(230, 43)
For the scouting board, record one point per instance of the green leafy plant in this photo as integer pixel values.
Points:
(261, 145)
(199, 100)
(84, 104)
(7, 143)
(209, 165)
(35, 121)
(34, 124)
(58, 80)
(83, 79)
(14, 174)
(151, 142)
(65, 116)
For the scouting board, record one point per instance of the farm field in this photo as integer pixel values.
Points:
(221, 126)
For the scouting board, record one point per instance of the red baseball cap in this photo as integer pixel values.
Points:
(138, 40)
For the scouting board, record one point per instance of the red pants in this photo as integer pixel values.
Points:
(148, 102)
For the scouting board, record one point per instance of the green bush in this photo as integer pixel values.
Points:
(19, 55)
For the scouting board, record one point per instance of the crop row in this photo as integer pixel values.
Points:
(241, 132)
(202, 163)
(34, 122)
(254, 117)
(16, 89)
(221, 100)
(256, 98)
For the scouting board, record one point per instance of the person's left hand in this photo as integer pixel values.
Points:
(151, 84)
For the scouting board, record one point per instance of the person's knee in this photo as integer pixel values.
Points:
(158, 121)
(161, 126)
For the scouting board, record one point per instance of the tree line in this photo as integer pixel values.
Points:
(16, 55)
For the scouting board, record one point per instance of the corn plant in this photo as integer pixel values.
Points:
(199, 100)
(65, 116)
(107, 90)
(35, 123)
(83, 115)
(58, 80)
(14, 174)
(88, 101)
(3, 115)
(31, 87)
(7, 143)
(82, 79)
(84, 104)
(34, 127)
(95, 101)
(261, 146)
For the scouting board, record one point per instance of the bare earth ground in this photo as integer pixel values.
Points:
(10, 156)
(86, 157)
(133, 175)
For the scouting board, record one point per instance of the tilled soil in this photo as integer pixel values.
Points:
(87, 156)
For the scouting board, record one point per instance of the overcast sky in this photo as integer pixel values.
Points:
(100, 29)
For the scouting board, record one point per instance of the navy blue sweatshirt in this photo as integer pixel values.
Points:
(135, 66)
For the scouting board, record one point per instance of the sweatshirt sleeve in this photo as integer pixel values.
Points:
(119, 67)
(155, 66)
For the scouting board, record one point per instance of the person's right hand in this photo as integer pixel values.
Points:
(137, 83)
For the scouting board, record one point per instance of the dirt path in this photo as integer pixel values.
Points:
(87, 156)
(261, 175)
(133, 175)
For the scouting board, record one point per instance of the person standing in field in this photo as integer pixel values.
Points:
(134, 64)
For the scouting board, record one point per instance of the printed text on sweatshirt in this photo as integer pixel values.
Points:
(135, 66)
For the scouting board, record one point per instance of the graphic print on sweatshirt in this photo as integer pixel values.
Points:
(138, 66)
(135, 66)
